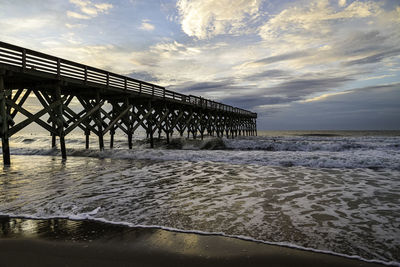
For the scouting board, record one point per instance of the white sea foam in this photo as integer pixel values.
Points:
(318, 152)
(374, 159)
(315, 192)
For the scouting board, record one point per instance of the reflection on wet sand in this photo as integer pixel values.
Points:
(27, 242)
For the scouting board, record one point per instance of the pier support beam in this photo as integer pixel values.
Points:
(129, 123)
(60, 122)
(255, 126)
(99, 122)
(87, 134)
(53, 138)
(150, 125)
(112, 132)
(130, 127)
(167, 116)
(4, 124)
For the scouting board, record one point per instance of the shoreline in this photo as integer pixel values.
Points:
(50, 242)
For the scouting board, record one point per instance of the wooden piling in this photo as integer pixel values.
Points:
(130, 123)
(87, 134)
(167, 130)
(4, 124)
(112, 132)
(60, 122)
(150, 125)
(99, 123)
(53, 138)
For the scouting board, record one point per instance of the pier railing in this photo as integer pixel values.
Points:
(61, 68)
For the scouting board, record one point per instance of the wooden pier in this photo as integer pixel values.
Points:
(108, 102)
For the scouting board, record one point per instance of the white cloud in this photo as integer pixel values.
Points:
(315, 21)
(146, 25)
(14, 25)
(74, 26)
(323, 97)
(342, 3)
(322, 36)
(106, 57)
(75, 15)
(89, 9)
(380, 77)
(175, 63)
(207, 18)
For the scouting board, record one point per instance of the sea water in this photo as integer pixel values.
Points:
(337, 192)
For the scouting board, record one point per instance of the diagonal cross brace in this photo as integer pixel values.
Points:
(21, 102)
(33, 117)
(112, 123)
(72, 116)
(78, 122)
(111, 119)
(141, 121)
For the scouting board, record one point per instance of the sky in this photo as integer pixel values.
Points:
(301, 65)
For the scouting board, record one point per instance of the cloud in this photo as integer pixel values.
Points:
(279, 58)
(324, 96)
(13, 25)
(310, 24)
(251, 102)
(321, 35)
(146, 26)
(376, 58)
(252, 97)
(366, 108)
(281, 94)
(176, 63)
(74, 26)
(206, 86)
(268, 74)
(301, 88)
(89, 9)
(380, 77)
(302, 25)
(267, 56)
(75, 15)
(207, 18)
(143, 75)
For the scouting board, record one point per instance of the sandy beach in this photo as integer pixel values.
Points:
(62, 242)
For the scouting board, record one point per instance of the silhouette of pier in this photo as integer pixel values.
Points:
(107, 102)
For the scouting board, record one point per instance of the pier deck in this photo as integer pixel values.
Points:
(107, 102)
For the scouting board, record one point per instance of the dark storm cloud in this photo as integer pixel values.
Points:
(299, 88)
(288, 91)
(374, 58)
(282, 57)
(374, 107)
(208, 86)
(274, 74)
(362, 42)
(203, 87)
(373, 98)
(143, 76)
(252, 101)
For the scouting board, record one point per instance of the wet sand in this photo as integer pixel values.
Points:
(62, 242)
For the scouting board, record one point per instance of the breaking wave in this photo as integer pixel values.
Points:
(374, 152)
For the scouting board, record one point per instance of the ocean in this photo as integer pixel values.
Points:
(333, 192)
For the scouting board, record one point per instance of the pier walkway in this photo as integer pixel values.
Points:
(107, 102)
